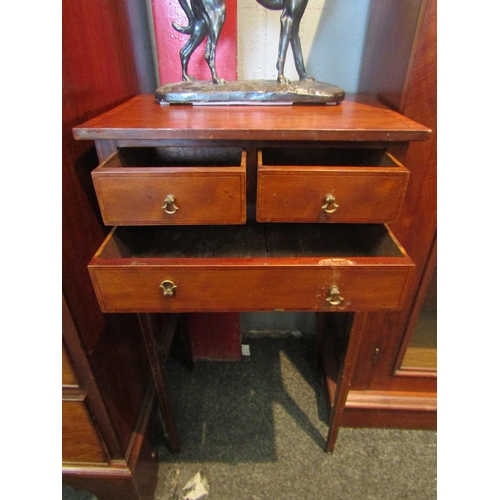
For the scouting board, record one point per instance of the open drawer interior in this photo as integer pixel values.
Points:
(331, 157)
(180, 156)
(252, 241)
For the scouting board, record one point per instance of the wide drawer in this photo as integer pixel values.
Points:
(172, 185)
(329, 185)
(256, 267)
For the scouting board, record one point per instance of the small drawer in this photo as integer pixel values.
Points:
(256, 267)
(172, 185)
(329, 185)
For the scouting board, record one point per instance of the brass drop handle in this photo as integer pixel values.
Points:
(168, 288)
(329, 200)
(334, 297)
(170, 202)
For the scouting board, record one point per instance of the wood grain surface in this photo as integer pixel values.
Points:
(354, 120)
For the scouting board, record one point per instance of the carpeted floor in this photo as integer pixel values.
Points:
(255, 430)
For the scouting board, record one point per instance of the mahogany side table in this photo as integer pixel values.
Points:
(253, 208)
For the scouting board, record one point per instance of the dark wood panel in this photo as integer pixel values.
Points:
(105, 486)
(111, 484)
(89, 387)
(388, 49)
(68, 374)
(94, 80)
(390, 419)
(417, 225)
(134, 479)
(416, 228)
(98, 73)
(119, 365)
(80, 441)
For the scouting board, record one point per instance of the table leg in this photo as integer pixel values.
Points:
(156, 365)
(343, 377)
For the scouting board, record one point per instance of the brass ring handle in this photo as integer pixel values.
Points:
(329, 200)
(170, 201)
(168, 288)
(334, 297)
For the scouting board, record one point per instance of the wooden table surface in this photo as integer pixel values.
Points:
(356, 119)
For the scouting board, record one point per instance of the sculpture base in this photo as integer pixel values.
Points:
(249, 92)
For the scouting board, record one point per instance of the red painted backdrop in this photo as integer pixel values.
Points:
(169, 42)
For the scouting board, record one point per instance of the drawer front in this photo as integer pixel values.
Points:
(187, 288)
(170, 195)
(349, 194)
(80, 442)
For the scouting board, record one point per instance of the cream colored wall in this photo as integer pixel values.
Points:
(332, 34)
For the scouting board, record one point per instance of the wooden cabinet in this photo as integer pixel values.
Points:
(399, 69)
(325, 170)
(95, 438)
(68, 374)
(81, 443)
(254, 178)
(106, 447)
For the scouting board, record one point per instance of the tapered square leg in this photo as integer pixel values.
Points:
(148, 328)
(339, 359)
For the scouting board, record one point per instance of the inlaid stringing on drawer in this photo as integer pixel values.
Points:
(313, 191)
(164, 195)
(215, 270)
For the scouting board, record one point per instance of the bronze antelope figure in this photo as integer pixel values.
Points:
(206, 19)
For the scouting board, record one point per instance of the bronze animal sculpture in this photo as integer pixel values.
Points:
(206, 19)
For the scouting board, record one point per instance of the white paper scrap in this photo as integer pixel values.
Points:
(194, 489)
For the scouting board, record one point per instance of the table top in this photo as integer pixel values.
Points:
(356, 119)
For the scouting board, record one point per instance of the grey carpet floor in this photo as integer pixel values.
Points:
(256, 429)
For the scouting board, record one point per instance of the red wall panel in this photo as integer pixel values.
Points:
(169, 42)
(215, 336)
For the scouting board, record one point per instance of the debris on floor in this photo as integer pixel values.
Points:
(196, 488)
